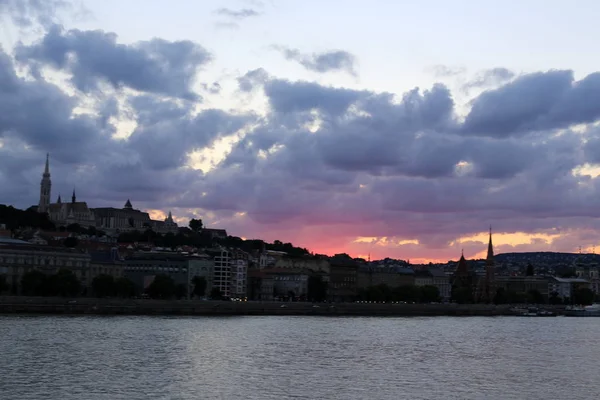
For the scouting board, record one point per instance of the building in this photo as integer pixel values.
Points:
(239, 273)
(565, 287)
(222, 270)
(591, 274)
(269, 258)
(434, 277)
(392, 276)
(343, 278)
(214, 233)
(464, 282)
(109, 219)
(142, 268)
(489, 286)
(125, 219)
(103, 263)
(261, 285)
(523, 284)
(201, 265)
(19, 257)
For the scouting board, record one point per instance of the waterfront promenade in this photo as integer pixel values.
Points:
(92, 306)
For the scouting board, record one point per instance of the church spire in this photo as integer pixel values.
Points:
(73, 198)
(47, 169)
(490, 253)
(45, 187)
(58, 201)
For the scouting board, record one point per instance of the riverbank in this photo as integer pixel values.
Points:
(91, 306)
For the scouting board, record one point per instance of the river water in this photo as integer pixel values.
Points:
(88, 358)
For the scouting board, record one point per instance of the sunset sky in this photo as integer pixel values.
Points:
(398, 129)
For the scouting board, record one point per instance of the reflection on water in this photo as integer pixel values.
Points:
(133, 358)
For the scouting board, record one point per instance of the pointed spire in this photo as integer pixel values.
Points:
(73, 198)
(47, 166)
(128, 205)
(58, 201)
(490, 253)
(462, 267)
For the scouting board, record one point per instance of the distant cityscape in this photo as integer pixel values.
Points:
(66, 248)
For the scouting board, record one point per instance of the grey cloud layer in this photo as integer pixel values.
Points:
(381, 164)
(95, 57)
(333, 60)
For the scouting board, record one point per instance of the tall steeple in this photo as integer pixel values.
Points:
(490, 273)
(45, 188)
(73, 198)
(490, 253)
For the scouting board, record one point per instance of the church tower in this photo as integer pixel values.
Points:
(45, 188)
(490, 271)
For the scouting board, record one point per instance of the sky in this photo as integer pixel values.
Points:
(385, 129)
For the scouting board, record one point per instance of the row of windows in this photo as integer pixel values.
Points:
(155, 268)
(42, 261)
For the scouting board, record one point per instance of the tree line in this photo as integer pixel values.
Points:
(404, 293)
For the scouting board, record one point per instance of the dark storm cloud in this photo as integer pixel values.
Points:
(333, 60)
(41, 115)
(533, 102)
(166, 143)
(237, 14)
(287, 97)
(94, 57)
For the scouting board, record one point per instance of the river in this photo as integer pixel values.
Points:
(68, 358)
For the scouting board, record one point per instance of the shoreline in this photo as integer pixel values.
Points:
(92, 306)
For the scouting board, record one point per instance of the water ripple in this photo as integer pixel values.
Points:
(68, 358)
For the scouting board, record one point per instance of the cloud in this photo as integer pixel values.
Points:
(489, 77)
(445, 71)
(155, 66)
(534, 102)
(319, 166)
(252, 79)
(333, 60)
(25, 13)
(237, 14)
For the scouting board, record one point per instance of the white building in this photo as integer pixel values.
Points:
(566, 286)
(222, 270)
(239, 276)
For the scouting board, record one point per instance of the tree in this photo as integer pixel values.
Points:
(535, 297)
(65, 283)
(408, 293)
(462, 295)
(583, 296)
(430, 293)
(554, 298)
(75, 228)
(71, 241)
(530, 271)
(103, 285)
(199, 286)
(33, 283)
(162, 287)
(180, 291)
(124, 287)
(4, 286)
(215, 294)
(196, 225)
(317, 289)
(500, 297)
